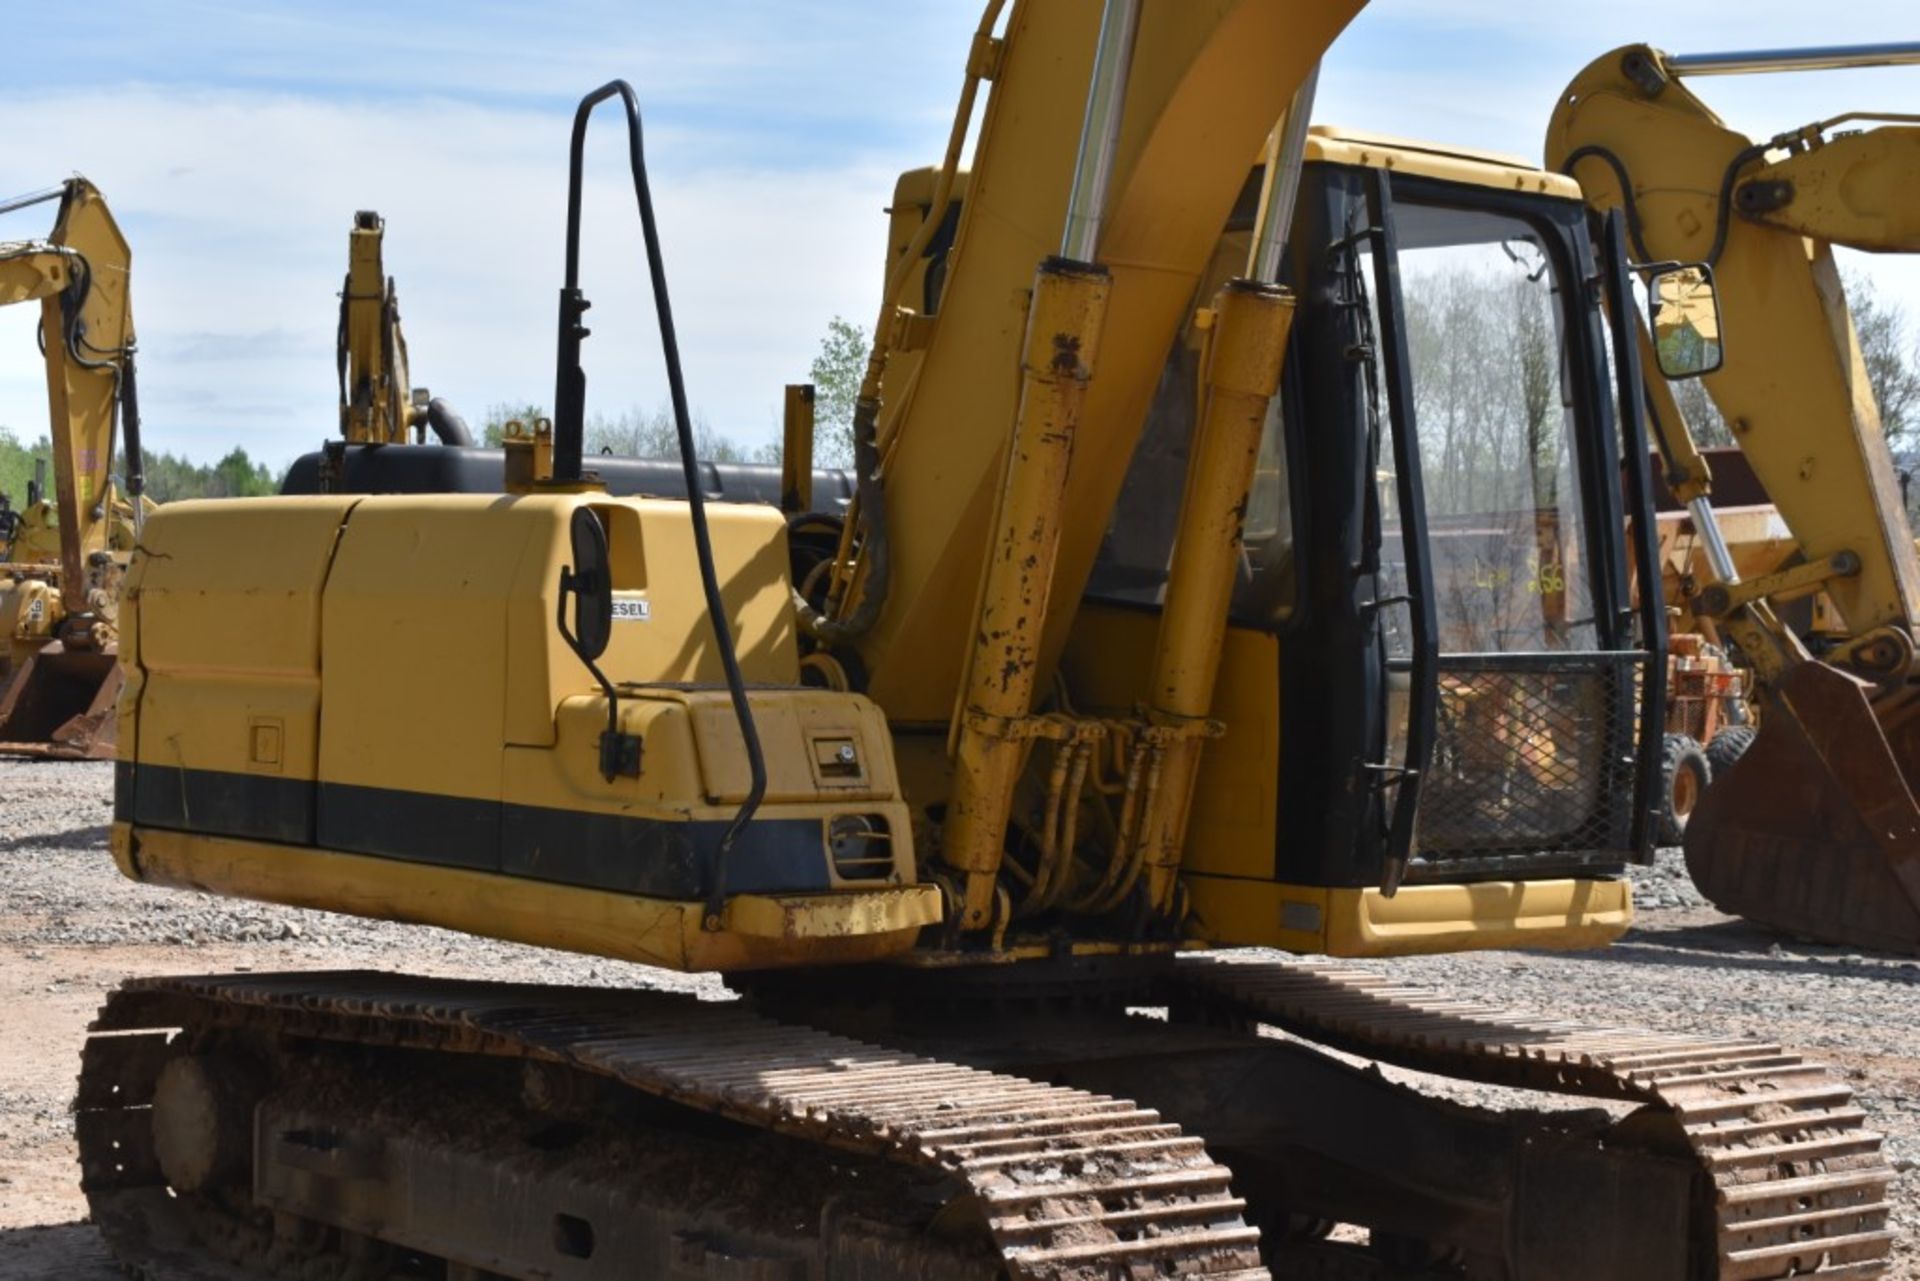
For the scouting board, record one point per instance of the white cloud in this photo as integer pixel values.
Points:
(236, 142)
(238, 206)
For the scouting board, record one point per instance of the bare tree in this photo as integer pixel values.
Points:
(1892, 357)
(1486, 359)
(637, 433)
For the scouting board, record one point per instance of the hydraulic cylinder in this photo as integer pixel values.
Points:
(1063, 328)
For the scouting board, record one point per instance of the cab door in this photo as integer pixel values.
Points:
(1469, 600)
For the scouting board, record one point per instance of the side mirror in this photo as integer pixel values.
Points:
(588, 585)
(1684, 313)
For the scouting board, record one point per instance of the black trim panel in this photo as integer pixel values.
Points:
(251, 807)
(421, 827)
(656, 858)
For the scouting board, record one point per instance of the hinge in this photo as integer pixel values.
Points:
(911, 331)
(983, 59)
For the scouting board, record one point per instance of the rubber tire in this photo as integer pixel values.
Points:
(1683, 764)
(1728, 746)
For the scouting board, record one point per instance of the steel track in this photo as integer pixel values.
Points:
(1796, 1182)
(1072, 1184)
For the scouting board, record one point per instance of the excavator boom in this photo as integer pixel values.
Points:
(1815, 828)
(60, 672)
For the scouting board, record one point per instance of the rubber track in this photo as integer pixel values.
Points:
(1798, 1183)
(1073, 1185)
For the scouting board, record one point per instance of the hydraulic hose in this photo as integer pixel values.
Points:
(447, 424)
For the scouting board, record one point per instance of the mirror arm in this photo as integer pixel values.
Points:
(619, 752)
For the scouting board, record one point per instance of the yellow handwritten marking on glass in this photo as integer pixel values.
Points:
(1548, 578)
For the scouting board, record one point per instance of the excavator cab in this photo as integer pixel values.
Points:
(1434, 600)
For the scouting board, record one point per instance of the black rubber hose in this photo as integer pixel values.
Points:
(1723, 204)
(447, 424)
(1620, 175)
(136, 462)
(572, 305)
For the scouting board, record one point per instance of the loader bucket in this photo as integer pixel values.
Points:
(1814, 831)
(60, 704)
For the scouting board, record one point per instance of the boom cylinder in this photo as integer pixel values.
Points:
(1063, 329)
(1828, 58)
(69, 459)
(1100, 130)
(1283, 184)
(1251, 322)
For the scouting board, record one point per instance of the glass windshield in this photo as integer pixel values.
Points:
(1132, 565)
(1484, 308)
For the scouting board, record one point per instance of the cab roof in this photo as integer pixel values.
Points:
(1333, 145)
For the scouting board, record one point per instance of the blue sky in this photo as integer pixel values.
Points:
(235, 141)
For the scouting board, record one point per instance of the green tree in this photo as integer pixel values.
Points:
(631, 433)
(171, 477)
(493, 428)
(16, 465)
(837, 372)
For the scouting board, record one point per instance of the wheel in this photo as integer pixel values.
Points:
(1728, 746)
(1684, 773)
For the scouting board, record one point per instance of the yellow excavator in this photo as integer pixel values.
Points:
(65, 552)
(378, 405)
(1120, 660)
(1814, 830)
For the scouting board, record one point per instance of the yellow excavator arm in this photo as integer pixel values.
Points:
(375, 398)
(58, 610)
(80, 277)
(1207, 81)
(378, 404)
(1855, 188)
(1793, 387)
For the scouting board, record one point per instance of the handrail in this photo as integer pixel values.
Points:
(569, 415)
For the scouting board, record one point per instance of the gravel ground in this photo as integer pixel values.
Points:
(70, 928)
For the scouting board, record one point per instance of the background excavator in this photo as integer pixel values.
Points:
(1815, 829)
(59, 675)
(66, 551)
(1120, 657)
(378, 405)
